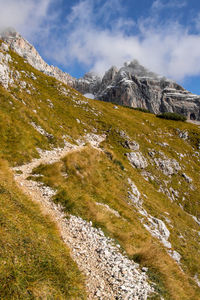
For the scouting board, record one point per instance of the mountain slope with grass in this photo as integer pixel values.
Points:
(121, 183)
(131, 85)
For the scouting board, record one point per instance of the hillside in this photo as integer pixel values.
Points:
(131, 85)
(116, 188)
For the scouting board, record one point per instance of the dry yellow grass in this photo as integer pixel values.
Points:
(94, 176)
(34, 263)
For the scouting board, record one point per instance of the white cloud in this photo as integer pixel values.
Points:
(169, 49)
(160, 4)
(99, 38)
(25, 16)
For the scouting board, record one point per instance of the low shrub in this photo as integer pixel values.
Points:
(172, 116)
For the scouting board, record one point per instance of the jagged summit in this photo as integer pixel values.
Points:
(8, 33)
(91, 76)
(132, 85)
(136, 69)
(22, 47)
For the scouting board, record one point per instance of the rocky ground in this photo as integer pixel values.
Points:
(109, 273)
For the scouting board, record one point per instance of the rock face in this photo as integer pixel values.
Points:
(22, 47)
(167, 166)
(90, 83)
(135, 86)
(132, 85)
(155, 226)
(137, 160)
(7, 75)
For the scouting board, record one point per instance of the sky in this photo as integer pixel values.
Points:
(92, 35)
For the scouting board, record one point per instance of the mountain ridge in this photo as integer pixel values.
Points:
(132, 85)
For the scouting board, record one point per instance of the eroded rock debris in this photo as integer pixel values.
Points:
(109, 273)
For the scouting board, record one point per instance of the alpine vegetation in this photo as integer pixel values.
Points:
(98, 200)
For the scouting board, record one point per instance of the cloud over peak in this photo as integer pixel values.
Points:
(168, 48)
(95, 35)
(26, 16)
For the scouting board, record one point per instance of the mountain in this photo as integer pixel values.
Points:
(22, 47)
(98, 201)
(135, 86)
(132, 85)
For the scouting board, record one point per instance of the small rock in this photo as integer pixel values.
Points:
(4, 47)
(187, 178)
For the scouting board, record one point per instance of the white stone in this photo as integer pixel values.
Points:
(4, 47)
(167, 166)
(187, 178)
(137, 160)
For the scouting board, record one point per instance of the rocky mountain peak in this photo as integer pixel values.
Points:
(8, 33)
(109, 75)
(22, 47)
(91, 76)
(132, 85)
(136, 69)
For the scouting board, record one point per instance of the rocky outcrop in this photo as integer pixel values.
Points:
(89, 84)
(7, 74)
(167, 166)
(137, 160)
(135, 86)
(22, 47)
(187, 178)
(132, 85)
(155, 226)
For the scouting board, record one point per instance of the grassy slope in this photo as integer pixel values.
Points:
(34, 263)
(95, 177)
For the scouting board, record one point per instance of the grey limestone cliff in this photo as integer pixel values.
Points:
(22, 47)
(132, 85)
(135, 86)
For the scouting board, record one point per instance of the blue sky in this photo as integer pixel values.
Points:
(92, 35)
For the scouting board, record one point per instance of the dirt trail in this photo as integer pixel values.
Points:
(109, 274)
(43, 195)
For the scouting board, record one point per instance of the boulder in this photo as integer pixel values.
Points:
(137, 160)
(167, 166)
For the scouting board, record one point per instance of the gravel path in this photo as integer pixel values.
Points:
(108, 273)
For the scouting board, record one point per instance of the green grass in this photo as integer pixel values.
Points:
(95, 176)
(172, 116)
(34, 263)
